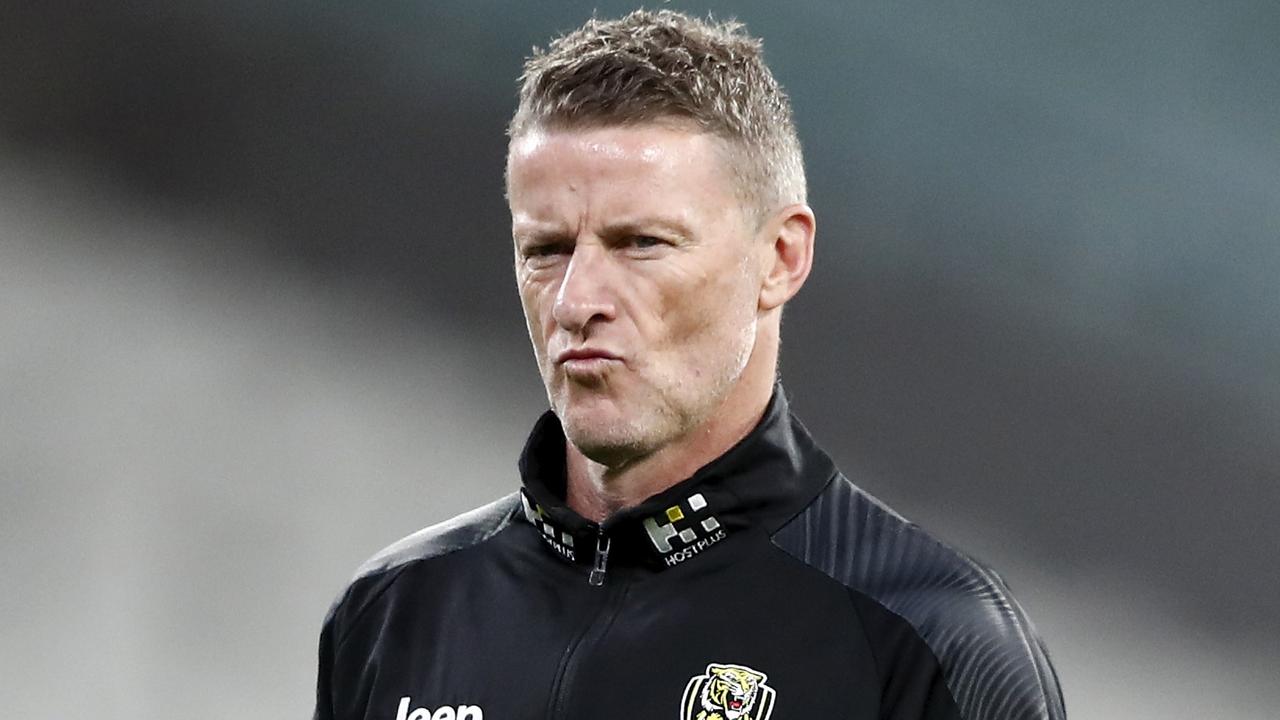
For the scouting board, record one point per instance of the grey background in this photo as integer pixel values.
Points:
(257, 320)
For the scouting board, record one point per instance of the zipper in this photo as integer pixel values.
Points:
(611, 605)
(601, 564)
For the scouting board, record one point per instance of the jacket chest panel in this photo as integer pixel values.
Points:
(674, 645)
(468, 653)
(782, 648)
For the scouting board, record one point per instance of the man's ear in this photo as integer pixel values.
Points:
(789, 255)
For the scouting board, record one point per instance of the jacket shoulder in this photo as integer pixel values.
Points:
(462, 531)
(377, 575)
(994, 663)
(379, 572)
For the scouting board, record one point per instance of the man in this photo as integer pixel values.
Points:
(680, 547)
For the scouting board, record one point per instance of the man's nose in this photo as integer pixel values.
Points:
(584, 294)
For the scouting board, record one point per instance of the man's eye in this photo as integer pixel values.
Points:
(545, 250)
(646, 241)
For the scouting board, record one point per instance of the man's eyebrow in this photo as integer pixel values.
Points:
(640, 226)
(537, 232)
(545, 232)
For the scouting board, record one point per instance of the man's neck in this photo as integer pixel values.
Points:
(596, 491)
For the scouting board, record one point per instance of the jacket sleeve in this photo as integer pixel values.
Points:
(912, 683)
(994, 664)
(324, 676)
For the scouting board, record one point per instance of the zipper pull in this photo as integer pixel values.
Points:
(598, 569)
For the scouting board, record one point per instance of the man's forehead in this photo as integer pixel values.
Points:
(646, 141)
(637, 175)
(598, 141)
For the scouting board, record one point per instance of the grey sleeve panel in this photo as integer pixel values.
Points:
(470, 528)
(377, 574)
(995, 665)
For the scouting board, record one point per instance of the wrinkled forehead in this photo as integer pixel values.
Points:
(671, 123)
(617, 138)
(562, 176)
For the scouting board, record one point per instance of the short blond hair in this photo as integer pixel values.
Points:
(661, 66)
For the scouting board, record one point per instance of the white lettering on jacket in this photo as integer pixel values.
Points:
(679, 556)
(444, 712)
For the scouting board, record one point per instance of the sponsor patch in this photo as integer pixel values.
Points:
(684, 530)
(561, 542)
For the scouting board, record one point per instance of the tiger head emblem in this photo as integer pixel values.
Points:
(728, 692)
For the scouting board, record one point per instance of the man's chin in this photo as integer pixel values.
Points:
(600, 435)
(609, 451)
(587, 406)
(591, 429)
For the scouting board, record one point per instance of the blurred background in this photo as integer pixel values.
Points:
(257, 320)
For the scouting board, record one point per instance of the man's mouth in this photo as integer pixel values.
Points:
(586, 363)
(588, 370)
(584, 354)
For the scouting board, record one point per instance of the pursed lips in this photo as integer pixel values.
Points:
(583, 354)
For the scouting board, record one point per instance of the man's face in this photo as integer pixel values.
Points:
(639, 276)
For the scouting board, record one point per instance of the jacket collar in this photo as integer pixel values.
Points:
(762, 481)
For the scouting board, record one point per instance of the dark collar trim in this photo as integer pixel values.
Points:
(762, 481)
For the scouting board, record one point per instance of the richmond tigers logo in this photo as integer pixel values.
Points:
(727, 692)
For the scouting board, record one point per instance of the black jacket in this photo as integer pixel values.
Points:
(766, 586)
